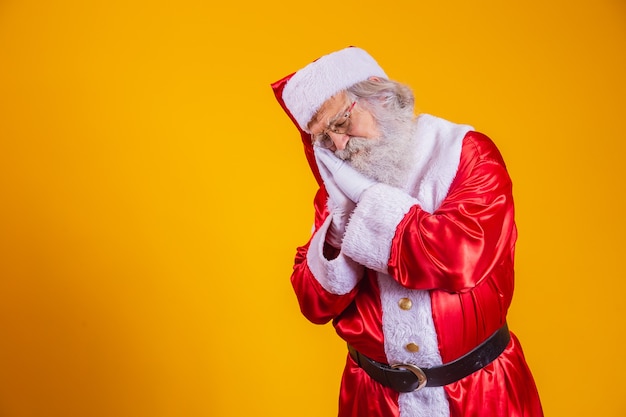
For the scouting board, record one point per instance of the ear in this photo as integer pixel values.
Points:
(374, 78)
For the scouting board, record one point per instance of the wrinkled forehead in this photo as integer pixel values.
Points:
(327, 112)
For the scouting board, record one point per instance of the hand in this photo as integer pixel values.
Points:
(337, 228)
(340, 207)
(351, 182)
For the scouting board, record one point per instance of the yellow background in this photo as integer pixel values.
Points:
(153, 194)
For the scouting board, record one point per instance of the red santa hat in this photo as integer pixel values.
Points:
(301, 94)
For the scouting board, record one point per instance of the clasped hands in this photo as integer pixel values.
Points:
(344, 186)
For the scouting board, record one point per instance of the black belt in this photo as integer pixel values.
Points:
(408, 377)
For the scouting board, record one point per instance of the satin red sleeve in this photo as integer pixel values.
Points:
(316, 304)
(468, 236)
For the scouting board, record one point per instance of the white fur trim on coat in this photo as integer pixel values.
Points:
(309, 88)
(438, 152)
(337, 276)
(412, 326)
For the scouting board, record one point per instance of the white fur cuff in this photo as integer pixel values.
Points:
(337, 276)
(373, 225)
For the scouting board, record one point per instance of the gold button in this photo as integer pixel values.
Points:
(405, 303)
(412, 347)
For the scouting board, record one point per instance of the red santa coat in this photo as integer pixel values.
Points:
(429, 265)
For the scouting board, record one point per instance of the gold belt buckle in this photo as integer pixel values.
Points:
(421, 376)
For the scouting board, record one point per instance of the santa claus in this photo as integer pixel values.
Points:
(412, 251)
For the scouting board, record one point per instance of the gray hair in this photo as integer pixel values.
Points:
(394, 96)
(390, 102)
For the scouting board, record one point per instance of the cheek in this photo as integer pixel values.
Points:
(367, 128)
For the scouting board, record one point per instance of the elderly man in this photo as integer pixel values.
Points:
(412, 251)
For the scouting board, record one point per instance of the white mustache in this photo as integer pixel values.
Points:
(354, 146)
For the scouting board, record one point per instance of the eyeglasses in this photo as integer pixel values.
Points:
(340, 125)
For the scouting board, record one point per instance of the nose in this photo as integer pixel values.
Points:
(340, 140)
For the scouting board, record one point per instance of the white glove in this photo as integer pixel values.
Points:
(351, 182)
(340, 207)
(337, 228)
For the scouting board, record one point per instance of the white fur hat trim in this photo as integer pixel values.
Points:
(309, 88)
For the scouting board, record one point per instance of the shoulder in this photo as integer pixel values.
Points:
(481, 166)
(479, 147)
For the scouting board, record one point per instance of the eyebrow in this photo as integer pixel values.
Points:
(337, 116)
(340, 114)
(316, 119)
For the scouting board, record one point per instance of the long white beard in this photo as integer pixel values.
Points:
(386, 159)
